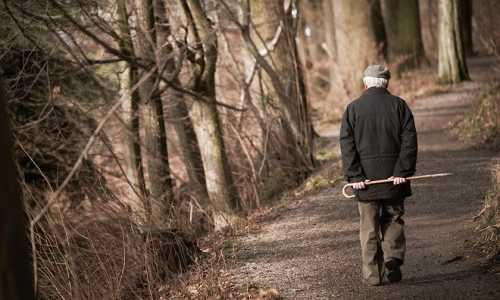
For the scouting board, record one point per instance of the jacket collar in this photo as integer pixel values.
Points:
(375, 91)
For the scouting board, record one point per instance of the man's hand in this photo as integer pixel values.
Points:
(397, 180)
(359, 185)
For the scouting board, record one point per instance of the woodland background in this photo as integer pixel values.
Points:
(142, 127)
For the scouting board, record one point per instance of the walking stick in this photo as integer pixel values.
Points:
(344, 189)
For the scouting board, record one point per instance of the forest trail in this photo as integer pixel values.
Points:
(310, 249)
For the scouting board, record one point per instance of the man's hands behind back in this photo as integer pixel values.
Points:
(397, 180)
(359, 185)
(362, 184)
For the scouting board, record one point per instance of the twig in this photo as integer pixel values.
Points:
(122, 56)
(252, 165)
(35, 164)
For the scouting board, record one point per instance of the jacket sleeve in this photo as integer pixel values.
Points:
(407, 160)
(350, 157)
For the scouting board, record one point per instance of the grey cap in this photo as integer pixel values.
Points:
(377, 71)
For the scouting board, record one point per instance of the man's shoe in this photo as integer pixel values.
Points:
(393, 272)
(373, 281)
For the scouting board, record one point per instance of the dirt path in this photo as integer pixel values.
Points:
(310, 250)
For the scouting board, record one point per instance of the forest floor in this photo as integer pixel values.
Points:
(309, 248)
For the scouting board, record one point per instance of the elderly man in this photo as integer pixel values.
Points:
(378, 140)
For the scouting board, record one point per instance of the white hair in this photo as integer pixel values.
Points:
(375, 82)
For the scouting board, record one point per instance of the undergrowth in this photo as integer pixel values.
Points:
(481, 128)
(488, 219)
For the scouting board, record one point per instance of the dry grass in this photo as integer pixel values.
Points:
(327, 176)
(481, 128)
(488, 219)
(101, 253)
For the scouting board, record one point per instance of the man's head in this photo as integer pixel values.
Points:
(376, 76)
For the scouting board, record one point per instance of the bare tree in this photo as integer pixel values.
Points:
(402, 20)
(466, 11)
(329, 23)
(16, 275)
(131, 108)
(360, 35)
(160, 183)
(169, 58)
(273, 37)
(316, 44)
(452, 62)
(313, 21)
(219, 180)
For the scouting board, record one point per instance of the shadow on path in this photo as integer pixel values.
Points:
(311, 250)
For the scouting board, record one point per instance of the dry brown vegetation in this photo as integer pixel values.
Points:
(481, 128)
(489, 217)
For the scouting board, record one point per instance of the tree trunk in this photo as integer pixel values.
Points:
(402, 20)
(16, 274)
(360, 35)
(219, 179)
(466, 12)
(160, 183)
(177, 112)
(284, 87)
(131, 115)
(329, 23)
(178, 115)
(452, 62)
(220, 186)
(316, 44)
(312, 29)
(331, 43)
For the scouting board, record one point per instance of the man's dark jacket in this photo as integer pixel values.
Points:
(378, 140)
